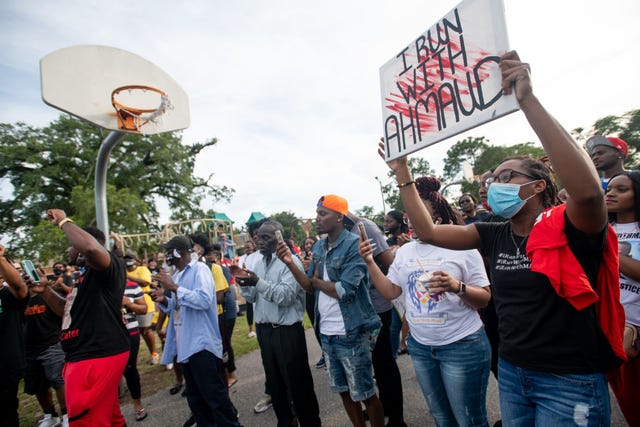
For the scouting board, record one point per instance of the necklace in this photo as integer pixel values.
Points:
(518, 246)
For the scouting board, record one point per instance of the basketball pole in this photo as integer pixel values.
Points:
(102, 164)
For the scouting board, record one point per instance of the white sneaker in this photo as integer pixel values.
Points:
(263, 404)
(65, 421)
(49, 421)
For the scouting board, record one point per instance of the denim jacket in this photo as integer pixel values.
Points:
(347, 269)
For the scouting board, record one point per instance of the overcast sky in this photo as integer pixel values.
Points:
(291, 88)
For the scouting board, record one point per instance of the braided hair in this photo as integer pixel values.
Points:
(428, 187)
(540, 169)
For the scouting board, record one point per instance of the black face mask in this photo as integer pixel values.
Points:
(57, 271)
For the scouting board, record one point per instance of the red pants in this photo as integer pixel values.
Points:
(625, 383)
(91, 391)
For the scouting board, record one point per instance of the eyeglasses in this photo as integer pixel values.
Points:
(506, 176)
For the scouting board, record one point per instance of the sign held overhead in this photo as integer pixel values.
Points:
(447, 81)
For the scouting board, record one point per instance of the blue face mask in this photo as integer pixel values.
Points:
(504, 199)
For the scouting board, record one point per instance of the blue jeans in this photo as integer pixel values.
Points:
(348, 361)
(454, 378)
(529, 398)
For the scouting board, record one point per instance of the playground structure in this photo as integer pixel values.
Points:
(211, 227)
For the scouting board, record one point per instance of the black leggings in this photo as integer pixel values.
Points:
(249, 311)
(131, 370)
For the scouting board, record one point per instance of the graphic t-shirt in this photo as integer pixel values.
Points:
(43, 326)
(11, 331)
(92, 325)
(443, 318)
(629, 245)
(539, 329)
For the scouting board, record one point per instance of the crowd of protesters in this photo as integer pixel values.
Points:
(543, 292)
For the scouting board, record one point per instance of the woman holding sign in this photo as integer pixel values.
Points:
(442, 290)
(553, 270)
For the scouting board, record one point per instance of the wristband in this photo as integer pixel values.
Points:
(406, 184)
(64, 221)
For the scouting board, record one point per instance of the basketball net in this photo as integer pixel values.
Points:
(135, 118)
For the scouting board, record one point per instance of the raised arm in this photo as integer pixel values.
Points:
(51, 298)
(445, 236)
(17, 286)
(94, 253)
(585, 206)
(284, 254)
(382, 284)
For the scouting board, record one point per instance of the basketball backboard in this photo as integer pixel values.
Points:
(81, 81)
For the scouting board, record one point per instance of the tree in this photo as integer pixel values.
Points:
(291, 224)
(469, 149)
(54, 167)
(483, 157)
(418, 167)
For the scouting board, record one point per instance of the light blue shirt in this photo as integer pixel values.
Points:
(278, 297)
(196, 303)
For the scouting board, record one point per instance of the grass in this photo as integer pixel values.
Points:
(152, 377)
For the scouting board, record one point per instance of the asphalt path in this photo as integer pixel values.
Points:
(167, 410)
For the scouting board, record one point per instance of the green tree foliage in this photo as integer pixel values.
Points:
(626, 126)
(54, 166)
(469, 149)
(418, 167)
(292, 226)
(487, 157)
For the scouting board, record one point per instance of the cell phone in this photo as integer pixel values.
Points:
(30, 270)
(363, 231)
(279, 236)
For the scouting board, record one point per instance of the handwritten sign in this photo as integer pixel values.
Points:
(447, 81)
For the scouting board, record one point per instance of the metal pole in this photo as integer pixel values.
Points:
(384, 207)
(444, 189)
(102, 164)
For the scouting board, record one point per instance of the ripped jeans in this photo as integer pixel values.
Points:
(535, 398)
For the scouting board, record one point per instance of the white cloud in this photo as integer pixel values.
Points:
(291, 89)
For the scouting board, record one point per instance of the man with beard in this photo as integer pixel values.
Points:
(93, 335)
(280, 303)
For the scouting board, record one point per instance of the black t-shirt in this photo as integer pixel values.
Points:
(92, 325)
(43, 326)
(538, 329)
(481, 216)
(11, 331)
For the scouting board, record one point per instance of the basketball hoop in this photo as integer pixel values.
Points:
(146, 98)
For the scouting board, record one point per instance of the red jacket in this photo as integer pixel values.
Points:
(550, 255)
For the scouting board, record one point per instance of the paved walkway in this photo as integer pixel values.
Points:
(167, 410)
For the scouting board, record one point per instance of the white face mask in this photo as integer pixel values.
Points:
(195, 256)
(168, 268)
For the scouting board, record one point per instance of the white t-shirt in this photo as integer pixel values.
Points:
(629, 244)
(331, 321)
(439, 319)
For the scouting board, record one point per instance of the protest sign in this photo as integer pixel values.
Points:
(447, 80)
